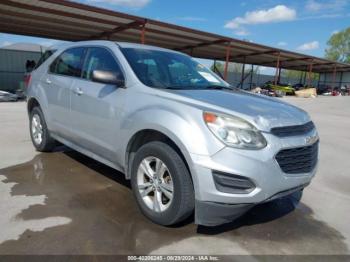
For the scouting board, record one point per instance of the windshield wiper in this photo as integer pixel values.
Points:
(213, 87)
(181, 87)
(218, 87)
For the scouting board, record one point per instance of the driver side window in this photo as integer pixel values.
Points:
(100, 59)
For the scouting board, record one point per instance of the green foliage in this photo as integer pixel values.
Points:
(339, 46)
(293, 74)
(219, 66)
(235, 67)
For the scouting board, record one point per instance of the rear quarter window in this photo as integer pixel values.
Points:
(44, 57)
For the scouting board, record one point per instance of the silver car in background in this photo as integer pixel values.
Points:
(8, 97)
(188, 141)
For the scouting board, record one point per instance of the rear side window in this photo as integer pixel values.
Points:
(44, 57)
(69, 63)
(99, 59)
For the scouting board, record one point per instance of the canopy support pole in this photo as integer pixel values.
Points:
(279, 75)
(251, 77)
(277, 67)
(228, 52)
(334, 75)
(143, 33)
(341, 79)
(309, 75)
(301, 77)
(242, 74)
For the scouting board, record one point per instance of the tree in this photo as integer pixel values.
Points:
(298, 75)
(339, 46)
(234, 67)
(219, 66)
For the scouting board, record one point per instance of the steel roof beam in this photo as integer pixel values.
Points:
(58, 12)
(287, 60)
(79, 6)
(249, 54)
(220, 41)
(61, 22)
(339, 69)
(315, 66)
(134, 24)
(255, 54)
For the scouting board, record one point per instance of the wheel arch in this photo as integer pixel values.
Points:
(144, 136)
(32, 102)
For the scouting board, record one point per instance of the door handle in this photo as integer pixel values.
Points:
(48, 81)
(78, 91)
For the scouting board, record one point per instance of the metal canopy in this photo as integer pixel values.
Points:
(66, 20)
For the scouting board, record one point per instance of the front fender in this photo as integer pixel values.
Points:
(186, 130)
(190, 135)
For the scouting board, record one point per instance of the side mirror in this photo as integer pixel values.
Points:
(107, 77)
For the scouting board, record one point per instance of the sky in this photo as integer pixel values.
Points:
(303, 26)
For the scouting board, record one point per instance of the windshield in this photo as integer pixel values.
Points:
(161, 69)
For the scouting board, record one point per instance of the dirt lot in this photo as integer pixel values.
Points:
(66, 203)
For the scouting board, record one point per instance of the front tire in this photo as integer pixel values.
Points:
(39, 132)
(162, 184)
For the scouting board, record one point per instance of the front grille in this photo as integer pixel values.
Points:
(293, 130)
(298, 160)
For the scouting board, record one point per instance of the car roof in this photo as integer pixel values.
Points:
(104, 42)
(143, 46)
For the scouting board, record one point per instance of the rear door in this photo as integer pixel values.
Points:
(58, 83)
(96, 107)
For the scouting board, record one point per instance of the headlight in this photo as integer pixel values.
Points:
(234, 132)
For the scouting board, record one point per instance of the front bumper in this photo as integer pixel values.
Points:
(213, 214)
(260, 166)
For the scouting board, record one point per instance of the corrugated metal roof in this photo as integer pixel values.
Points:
(73, 21)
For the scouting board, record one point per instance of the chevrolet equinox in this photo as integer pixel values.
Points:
(188, 141)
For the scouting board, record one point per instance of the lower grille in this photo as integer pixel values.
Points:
(298, 160)
(233, 184)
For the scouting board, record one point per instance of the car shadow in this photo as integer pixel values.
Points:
(259, 214)
(97, 167)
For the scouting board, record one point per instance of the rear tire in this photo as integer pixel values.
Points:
(39, 132)
(164, 207)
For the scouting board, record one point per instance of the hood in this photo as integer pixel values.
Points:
(262, 111)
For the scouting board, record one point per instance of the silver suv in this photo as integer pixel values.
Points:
(188, 141)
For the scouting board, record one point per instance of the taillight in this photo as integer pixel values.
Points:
(27, 79)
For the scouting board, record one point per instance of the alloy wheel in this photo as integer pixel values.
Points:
(155, 184)
(37, 129)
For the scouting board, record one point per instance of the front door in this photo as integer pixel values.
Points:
(96, 107)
